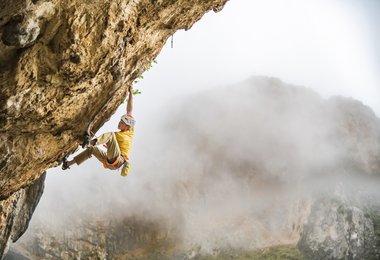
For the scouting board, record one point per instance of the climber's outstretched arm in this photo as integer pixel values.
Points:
(130, 102)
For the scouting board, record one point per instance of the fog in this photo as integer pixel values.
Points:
(237, 164)
(329, 46)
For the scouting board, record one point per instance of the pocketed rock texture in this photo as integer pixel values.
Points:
(66, 67)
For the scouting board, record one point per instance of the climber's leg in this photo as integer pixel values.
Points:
(113, 150)
(86, 154)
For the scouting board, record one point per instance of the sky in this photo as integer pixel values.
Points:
(330, 46)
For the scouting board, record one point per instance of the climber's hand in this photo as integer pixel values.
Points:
(93, 142)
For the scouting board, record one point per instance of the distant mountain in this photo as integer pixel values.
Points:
(256, 165)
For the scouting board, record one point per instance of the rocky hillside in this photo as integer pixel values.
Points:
(65, 67)
(260, 166)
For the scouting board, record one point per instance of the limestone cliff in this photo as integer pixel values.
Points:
(65, 67)
(17, 210)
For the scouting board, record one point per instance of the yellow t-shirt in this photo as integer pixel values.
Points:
(124, 139)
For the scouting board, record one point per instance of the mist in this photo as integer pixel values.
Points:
(218, 163)
(236, 166)
(337, 55)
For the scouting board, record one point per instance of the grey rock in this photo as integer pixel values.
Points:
(336, 230)
(127, 238)
(12, 255)
(20, 32)
(16, 212)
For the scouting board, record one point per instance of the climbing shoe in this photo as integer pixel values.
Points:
(86, 140)
(65, 165)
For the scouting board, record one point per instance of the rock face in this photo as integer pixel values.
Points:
(66, 66)
(127, 238)
(17, 210)
(337, 231)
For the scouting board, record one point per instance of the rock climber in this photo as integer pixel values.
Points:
(118, 144)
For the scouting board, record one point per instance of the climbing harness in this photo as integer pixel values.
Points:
(120, 163)
(116, 164)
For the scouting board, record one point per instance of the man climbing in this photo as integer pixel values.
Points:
(118, 144)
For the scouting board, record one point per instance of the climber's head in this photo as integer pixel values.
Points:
(126, 122)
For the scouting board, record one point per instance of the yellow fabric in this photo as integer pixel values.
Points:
(124, 139)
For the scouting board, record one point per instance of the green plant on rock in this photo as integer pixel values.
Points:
(136, 92)
(146, 69)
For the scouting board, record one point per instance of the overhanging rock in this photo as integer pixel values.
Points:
(66, 66)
